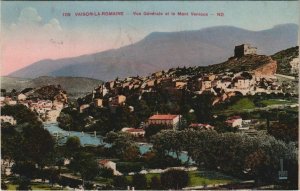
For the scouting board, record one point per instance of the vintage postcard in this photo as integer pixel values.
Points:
(149, 95)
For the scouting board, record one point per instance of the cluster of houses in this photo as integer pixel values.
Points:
(172, 122)
(47, 110)
(223, 85)
(114, 93)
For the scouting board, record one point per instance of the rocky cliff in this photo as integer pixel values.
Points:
(268, 69)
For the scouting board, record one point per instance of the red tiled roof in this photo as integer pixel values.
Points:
(197, 124)
(200, 125)
(134, 130)
(230, 121)
(163, 117)
(235, 117)
(240, 78)
(103, 162)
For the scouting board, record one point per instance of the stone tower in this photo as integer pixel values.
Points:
(244, 49)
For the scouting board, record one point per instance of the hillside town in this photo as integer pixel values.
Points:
(113, 93)
(133, 122)
(179, 81)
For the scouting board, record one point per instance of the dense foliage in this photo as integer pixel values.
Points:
(236, 154)
(27, 144)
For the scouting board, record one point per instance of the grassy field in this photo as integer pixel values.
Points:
(102, 180)
(247, 105)
(208, 178)
(198, 178)
(242, 104)
(148, 176)
(276, 102)
(34, 186)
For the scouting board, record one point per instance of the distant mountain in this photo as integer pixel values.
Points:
(163, 50)
(75, 86)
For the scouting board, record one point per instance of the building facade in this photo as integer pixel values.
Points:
(172, 121)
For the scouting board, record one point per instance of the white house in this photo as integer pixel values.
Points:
(135, 132)
(295, 65)
(242, 83)
(206, 84)
(83, 107)
(7, 119)
(110, 165)
(22, 97)
(202, 126)
(6, 167)
(234, 121)
(98, 102)
(12, 102)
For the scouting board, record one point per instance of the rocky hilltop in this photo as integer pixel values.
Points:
(259, 64)
(51, 92)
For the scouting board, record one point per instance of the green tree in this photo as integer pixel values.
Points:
(3, 186)
(142, 110)
(38, 145)
(25, 169)
(52, 175)
(122, 118)
(155, 183)
(27, 143)
(86, 165)
(106, 173)
(72, 145)
(65, 121)
(174, 179)
(122, 145)
(10, 143)
(120, 182)
(202, 104)
(139, 181)
(284, 131)
(21, 114)
(153, 129)
(23, 184)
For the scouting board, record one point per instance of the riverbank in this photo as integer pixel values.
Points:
(87, 139)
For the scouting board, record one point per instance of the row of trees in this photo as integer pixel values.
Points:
(28, 145)
(171, 179)
(234, 153)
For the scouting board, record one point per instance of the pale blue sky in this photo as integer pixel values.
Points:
(32, 31)
(253, 15)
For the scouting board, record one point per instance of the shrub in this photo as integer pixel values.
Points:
(120, 182)
(139, 181)
(174, 179)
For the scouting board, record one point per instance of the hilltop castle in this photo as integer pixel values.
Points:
(244, 49)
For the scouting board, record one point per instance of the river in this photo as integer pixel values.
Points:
(91, 139)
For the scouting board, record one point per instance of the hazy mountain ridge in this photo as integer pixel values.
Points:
(75, 86)
(163, 50)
